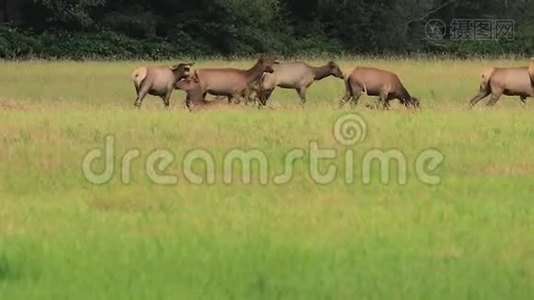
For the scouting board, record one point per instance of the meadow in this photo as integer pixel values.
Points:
(62, 237)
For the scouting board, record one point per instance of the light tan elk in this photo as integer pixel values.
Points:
(233, 83)
(158, 81)
(506, 81)
(294, 75)
(376, 82)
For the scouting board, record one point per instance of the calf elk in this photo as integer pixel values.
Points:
(295, 75)
(158, 81)
(506, 81)
(375, 82)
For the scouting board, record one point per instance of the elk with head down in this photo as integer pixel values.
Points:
(233, 83)
(158, 81)
(517, 81)
(376, 82)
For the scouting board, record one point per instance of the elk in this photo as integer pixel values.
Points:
(518, 81)
(233, 83)
(376, 82)
(158, 81)
(294, 75)
(195, 96)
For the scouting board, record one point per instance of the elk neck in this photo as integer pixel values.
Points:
(403, 94)
(254, 72)
(321, 72)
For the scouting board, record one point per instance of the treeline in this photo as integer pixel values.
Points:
(157, 29)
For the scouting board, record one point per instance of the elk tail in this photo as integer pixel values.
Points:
(486, 76)
(139, 75)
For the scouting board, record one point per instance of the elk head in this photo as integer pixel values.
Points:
(182, 70)
(266, 63)
(335, 70)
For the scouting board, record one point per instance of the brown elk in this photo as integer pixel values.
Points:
(376, 82)
(195, 95)
(295, 75)
(233, 83)
(158, 81)
(517, 81)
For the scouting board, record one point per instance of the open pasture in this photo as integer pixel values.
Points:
(61, 237)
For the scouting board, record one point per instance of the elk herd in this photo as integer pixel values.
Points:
(233, 86)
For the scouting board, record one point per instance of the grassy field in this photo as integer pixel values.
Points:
(61, 237)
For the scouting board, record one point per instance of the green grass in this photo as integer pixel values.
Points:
(470, 237)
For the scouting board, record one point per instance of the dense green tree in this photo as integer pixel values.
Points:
(161, 28)
(71, 12)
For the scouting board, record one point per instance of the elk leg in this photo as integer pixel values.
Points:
(481, 95)
(252, 96)
(494, 98)
(348, 95)
(352, 96)
(229, 99)
(265, 95)
(383, 100)
(302, 95)
(355, 99)
(523, 101)
(188, 103)
(140, 97)
(344, 100)
(244, 96)
(166, 99)
(237, 98)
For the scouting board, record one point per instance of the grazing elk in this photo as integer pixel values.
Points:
(233, 83)
(294, 75)
(158, 81)
(376, 82)
(517, 81)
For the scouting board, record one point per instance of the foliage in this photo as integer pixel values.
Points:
(164, 28)
(71, 12)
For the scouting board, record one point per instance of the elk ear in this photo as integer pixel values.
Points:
(195, 76)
